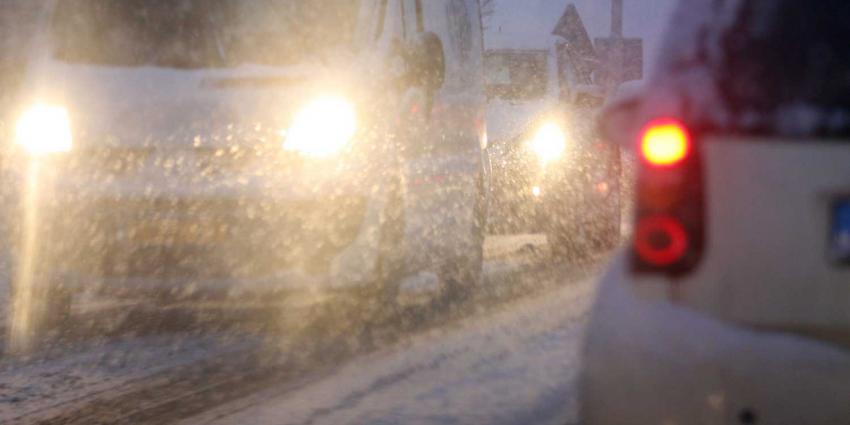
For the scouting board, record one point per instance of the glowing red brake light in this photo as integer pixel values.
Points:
(661, 240)
(670, 224)
(665, 142)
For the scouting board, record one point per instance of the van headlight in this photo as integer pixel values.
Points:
(322, 128)
(44, 129)
(549, 142)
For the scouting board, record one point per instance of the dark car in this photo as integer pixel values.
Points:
(551, 172)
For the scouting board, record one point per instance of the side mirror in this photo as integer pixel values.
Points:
(426, 62)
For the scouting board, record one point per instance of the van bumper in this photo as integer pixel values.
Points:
(119, 238)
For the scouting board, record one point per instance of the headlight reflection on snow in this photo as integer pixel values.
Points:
(23, 330)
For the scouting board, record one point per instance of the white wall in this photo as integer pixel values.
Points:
(529, 23)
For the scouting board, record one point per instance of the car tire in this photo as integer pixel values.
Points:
(573, 243)
(608, 238)
(391, 250)
(462, 275)
(565, 247)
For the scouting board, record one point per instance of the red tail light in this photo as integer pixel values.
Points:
(665, 142)
(661, 241)
(669, 224)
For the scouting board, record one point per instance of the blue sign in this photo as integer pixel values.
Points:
(841, 231)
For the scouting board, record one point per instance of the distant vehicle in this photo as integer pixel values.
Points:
(550, 172)
(732, 303)
(246, 147)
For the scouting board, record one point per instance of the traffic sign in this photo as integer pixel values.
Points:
(620, 59)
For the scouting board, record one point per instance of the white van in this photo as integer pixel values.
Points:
(205, 148)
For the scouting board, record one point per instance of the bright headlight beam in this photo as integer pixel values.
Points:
(549, 142)
(323, 128)
(44, 129)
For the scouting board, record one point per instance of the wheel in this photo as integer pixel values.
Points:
(463, 274)
(391, 254)
(380, 303)
(566, 246)
(608, 237)
(569, 238)
(305, 334)
(579, 241)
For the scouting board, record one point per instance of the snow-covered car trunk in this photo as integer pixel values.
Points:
(768, 256)
(770, 212)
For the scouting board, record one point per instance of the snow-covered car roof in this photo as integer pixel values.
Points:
(749, 66)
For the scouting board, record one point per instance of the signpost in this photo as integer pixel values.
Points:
(620, 59)
(606, 62)
(576, 55)
(616, 18)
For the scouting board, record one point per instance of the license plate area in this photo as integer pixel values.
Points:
(840, 232)
(178, 232)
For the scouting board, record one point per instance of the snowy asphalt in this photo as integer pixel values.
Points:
(517, 366)
(509, 355)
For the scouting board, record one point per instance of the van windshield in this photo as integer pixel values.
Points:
(200, 33)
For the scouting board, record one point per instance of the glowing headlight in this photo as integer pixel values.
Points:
(44, 129)
(323, 128)
(549, 142)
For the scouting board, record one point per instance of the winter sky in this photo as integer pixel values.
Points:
(529, 23)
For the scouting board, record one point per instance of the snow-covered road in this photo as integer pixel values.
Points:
(41, 389)
(517, 365)
(509, 354)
